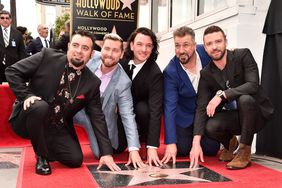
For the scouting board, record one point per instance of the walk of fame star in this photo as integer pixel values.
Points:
(167, 174)
(127, 3)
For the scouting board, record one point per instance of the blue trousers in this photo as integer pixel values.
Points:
(184, 142)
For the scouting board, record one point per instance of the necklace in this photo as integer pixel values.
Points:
(78, 72)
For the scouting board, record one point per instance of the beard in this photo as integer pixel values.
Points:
(217, 58)
(184, 58)
(77, 63)
(105, 61)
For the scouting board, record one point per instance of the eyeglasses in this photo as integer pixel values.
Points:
(6, 18)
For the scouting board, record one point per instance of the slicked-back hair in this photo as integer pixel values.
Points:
(84, 33)
(145, 31)
(114, 37)
(184, 30)
(213, 29)
(6, 12)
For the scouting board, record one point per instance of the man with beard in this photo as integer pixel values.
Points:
(58, 87)
(115, 98)
(230, 101)
(181, 78)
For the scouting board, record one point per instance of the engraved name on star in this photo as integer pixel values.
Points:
(146, 174)
(127, 3)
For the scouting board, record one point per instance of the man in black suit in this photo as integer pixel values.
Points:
(37, 44)
(12, 47)
(230, 101)
(147, 88)
(59, 86)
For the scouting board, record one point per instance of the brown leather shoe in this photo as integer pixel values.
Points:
(227, 155)
(242, 159)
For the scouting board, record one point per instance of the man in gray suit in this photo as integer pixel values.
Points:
(116, 99)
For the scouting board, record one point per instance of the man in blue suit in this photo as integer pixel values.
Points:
(116, 98)
(181, 79)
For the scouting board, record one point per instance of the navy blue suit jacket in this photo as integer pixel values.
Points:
(179, 96)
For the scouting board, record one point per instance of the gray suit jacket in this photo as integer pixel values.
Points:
(117, 94)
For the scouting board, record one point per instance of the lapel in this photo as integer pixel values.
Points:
(93, 66)
(230, 68)
(126, 67)
(39, 43)
(183, 75)
(111, 86)
(230, 71)
(213, 70)
(143, 73)
(1, 39)
(60, 68)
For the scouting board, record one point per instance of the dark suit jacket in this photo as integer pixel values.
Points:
(272, 23)
(13, 52)
(44, 71)
(148, 86)
(243, 77)
(34, 46)
(62, 43)
(179, 96)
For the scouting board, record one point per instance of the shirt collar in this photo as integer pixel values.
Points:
(198, 64)
(138, 66)
(8, 28)
(109, 74)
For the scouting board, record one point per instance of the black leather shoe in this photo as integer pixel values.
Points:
(42, 166)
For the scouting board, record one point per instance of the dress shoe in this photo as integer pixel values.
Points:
(42, 166)
(227, 155)
(242, 159)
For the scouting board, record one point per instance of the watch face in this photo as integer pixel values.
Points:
(219, 92)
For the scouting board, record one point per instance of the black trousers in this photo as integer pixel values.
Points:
(2, 73)
(46, 139)
(245, 121)
(122, 142)
(142, 117)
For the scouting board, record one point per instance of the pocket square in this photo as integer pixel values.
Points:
(81, 97)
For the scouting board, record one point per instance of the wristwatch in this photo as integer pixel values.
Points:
(219, 93)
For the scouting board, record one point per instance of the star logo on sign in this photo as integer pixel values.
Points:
(127, 3)
(152, 173)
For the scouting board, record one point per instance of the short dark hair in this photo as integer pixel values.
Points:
(213, 29)
(22, 29)
(145, 31)
(5, 12)
(85, 34)
(184, 30)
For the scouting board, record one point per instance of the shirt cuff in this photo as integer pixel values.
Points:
(133, 149)
(154, 147)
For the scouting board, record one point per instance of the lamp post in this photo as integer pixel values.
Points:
(13, 13)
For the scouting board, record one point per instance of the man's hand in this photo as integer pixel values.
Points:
(109, 161)
(216, 100)
(196, 152)
(29, 101)
(152, 156)
(170, 152)
(135, 159)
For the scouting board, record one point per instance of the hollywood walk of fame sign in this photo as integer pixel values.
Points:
(167, 174)
(105, 16)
